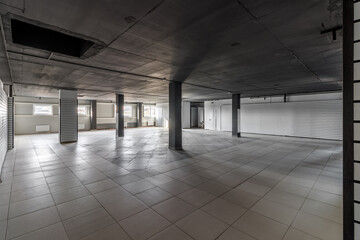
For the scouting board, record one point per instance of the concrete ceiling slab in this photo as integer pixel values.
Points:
(252, 47)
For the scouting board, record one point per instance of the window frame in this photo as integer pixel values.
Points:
(86, 112)
(152, 111)
(130, 111)
(50, 106)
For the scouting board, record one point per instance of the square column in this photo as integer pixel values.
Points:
(236, 131)
(11, 125)
(93, 114)
(68, 112)
(140, 114)
(119, 115)
(351, 120)
(175, 131)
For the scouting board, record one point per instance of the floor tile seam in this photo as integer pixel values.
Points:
(292, 223)
(36, 230)
(57, 210)
(249, 209)
(103, 207)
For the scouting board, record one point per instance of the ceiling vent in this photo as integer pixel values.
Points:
(30, 35)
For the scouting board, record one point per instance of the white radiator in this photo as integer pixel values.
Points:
(42, 128)
(81, 126)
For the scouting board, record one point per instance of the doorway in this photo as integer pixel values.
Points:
(196, 115)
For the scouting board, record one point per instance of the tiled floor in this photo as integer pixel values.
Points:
(255, 187)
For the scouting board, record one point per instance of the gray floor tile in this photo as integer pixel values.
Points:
(28, 193)
(174, 209)
(101, 186)
(124, 207)
(172, 233)
(143, 225)
(30, 222)
(153, 196)
(294, 234)
(234, 234)
(76, 207)
(260, 227)
(111, 232)
(53, 232)
(70, 194)
(241, 198)
(276, 211)
(202, 226)
(87, 223)
(30, 205)
(316, 226)
(196, 197)
(224, 210)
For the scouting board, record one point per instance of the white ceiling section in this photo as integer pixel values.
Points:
(252, 47)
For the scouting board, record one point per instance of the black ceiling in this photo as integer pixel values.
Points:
(252, 47)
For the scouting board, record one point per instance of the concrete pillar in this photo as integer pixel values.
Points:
(119, 115)
(68, 104)
(140, 114)
(351, 120)
(236, 131)
(93, 114)
(175, 132)
(11, 128)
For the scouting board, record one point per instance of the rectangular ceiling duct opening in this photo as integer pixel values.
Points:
(42, 38)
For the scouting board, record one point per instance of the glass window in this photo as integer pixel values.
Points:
(127, 111)
(42, 109)
(149, 111)
(82, 110)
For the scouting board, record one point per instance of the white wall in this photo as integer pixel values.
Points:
(315, 116)
(25, 121)
(185, 112)
(213, 113)
(162, 114)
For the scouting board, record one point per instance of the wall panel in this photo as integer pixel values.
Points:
(3, 125)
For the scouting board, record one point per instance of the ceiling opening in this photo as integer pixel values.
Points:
(41, 38)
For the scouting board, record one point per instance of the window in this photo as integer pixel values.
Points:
(149, 111)
(127, 111)
(82, 110)
(42, 109)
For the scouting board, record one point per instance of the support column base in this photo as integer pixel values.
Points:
(176, 148)
(236, 135)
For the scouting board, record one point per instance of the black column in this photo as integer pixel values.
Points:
(140, 114)
(236, 115)
(119, 115)
(93, 114)
(348, 120)
(175, 134)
